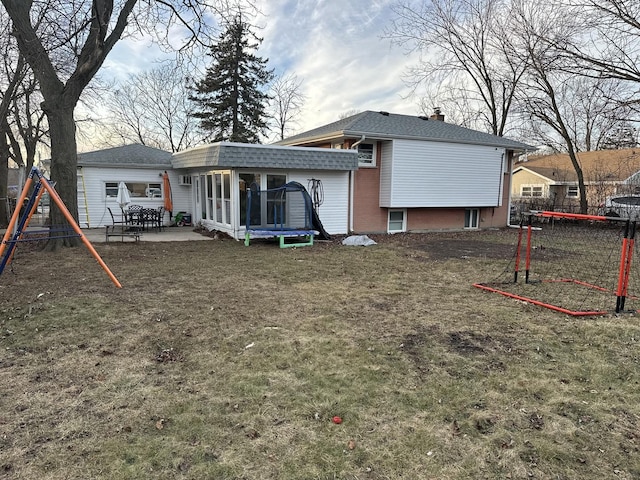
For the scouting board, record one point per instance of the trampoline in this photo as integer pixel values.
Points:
(285, 213)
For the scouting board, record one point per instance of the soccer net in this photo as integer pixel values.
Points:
(576, 264)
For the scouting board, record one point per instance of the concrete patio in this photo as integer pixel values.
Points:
(168, 234)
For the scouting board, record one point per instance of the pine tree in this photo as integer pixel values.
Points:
(231, 100)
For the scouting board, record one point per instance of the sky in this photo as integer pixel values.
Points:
(334, 46)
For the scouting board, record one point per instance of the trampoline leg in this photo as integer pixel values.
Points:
(246, 239)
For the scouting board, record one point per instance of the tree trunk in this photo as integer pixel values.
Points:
(4, 173)
(64, 161)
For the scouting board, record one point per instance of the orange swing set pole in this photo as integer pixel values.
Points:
(63, 208)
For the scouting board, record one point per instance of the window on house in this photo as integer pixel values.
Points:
(367, 155)
(572, 191)
(137, 190)
(471, 218)
(397, 221)
(531, 190)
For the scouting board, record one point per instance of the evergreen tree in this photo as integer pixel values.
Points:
(232, 104)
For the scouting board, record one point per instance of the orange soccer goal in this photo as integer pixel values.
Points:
(576, 264)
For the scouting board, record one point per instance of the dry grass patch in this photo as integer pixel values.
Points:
(221, 361)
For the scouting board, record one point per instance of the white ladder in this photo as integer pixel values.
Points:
(83, 206)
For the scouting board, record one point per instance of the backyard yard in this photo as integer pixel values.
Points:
(220, 361)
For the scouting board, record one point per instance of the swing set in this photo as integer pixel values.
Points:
(19, 223)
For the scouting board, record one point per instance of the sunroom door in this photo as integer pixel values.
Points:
(223, 198)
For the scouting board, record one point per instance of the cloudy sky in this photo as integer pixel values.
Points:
(334, 46)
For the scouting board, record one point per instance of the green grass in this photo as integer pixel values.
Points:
(221, 361)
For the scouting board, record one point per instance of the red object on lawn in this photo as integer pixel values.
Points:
(336, 420)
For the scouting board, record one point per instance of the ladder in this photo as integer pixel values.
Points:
(83, 205)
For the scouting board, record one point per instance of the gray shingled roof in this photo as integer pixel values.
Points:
(244, 155)
(135, 155)
(383, 125)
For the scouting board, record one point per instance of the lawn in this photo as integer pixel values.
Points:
(220, 361)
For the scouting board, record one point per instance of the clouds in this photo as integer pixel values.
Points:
(333, 46)
(337, 49)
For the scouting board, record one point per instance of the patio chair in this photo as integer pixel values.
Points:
(121, 228)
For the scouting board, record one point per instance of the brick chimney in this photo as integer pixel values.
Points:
(437, 115)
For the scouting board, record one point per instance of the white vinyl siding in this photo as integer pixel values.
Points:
(334, 210)
(439, 174)
(386, 157)
(96, 178)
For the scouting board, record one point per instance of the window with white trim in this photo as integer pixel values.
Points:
(572, 191)
(397, 221)
(137, 190)
(367, 155)
(531, 190)
(471, 218)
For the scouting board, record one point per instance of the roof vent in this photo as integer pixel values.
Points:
(386, 114)
(422, 117)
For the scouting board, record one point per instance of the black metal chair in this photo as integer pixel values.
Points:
(134, 215)
(121, 228)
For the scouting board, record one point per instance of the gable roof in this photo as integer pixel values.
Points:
(384, 125)
(134, 155)
(246, 155)
(597, 166)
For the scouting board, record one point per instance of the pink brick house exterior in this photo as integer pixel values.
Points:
(420, 174)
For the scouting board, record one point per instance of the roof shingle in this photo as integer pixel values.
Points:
(383, 125)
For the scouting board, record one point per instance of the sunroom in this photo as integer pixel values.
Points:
(221, 174)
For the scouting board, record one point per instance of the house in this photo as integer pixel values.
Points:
(140, 167)
(550, 181)
(221, 174)
(418, 173)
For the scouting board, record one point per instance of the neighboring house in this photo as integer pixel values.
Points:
(140, 167)
(222, 173)
(550, 181)
(420, 173)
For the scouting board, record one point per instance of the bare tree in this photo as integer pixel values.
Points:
(89, 29)
(464, 48)
(13, 71)
(153, 109)
(613, 50)
(287, 103)
(547, 90)
(349, 113)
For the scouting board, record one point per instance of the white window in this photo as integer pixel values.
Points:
(397, 221)
(367, 155)
(531, 190)
(572, 191)
(137, 190)
(471, 218)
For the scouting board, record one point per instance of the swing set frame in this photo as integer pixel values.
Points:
(18, 223)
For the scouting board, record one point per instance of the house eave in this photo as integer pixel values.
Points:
(229, 155)
(356, 134)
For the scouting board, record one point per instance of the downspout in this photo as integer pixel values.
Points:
(355, 145)
(352, 182)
